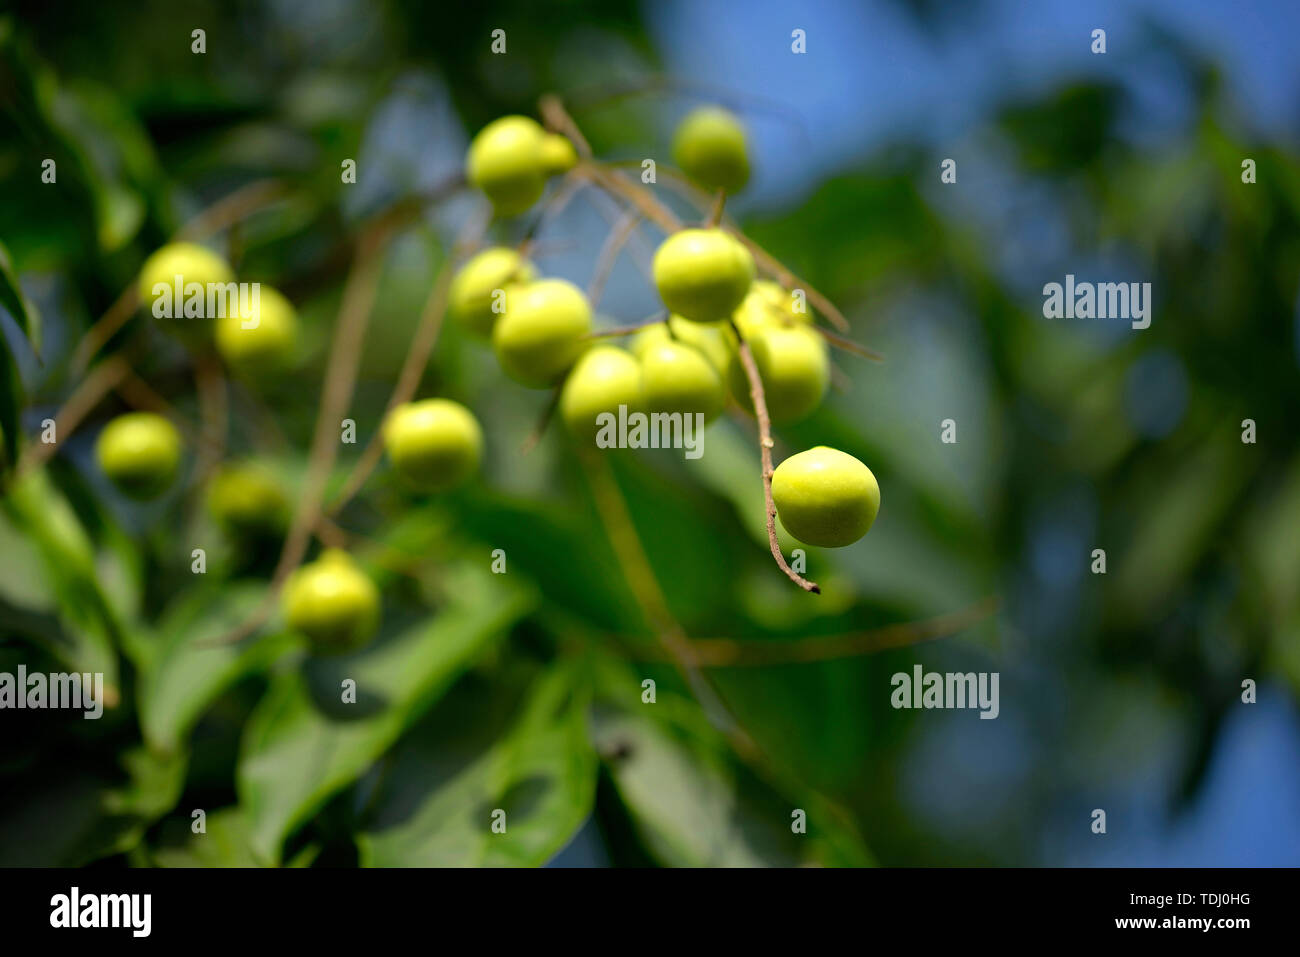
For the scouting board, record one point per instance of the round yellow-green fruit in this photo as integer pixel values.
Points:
(259, 338)
(434, 444)
(140, 452)
(558, 154)
(793, 366)
(602, 380)
(825, 497)
(333, 603)
(248, 501)
(702, 274)
(767, 304)
(505, 160)
(542, 331)
(158, 290)
(474, 290)
(709, 147)
(679, 378)
(711, 338)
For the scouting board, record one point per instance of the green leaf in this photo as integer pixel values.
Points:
(38, 510)
(186, 676)
(433, 810)
(17, 305)
(302, 744)
(223, 843)
(81, 818)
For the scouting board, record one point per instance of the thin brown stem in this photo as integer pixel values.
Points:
(716, 211)
(543, 420)
(557, 118)
(759, 398)
(633, 329)
(417, 357)
(103, 379)
(608, 256)
(359, 294)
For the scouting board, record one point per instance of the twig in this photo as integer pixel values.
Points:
(103, 379)
(557, 118)
(719, 205)
(359, 293)
(548, 413)
(789, 280)
(729, 653)
(759, 399)
(615, 332)
(417, 357)
(608, 255)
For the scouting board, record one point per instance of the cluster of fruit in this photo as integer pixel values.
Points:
(541, 331)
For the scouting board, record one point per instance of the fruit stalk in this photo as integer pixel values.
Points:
(759, 399)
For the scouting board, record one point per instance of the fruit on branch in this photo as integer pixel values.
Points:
(158, 280)
(434, 444)
(542, 331)
(709, 147)
(825, 497)
(602, 380)
(711, 338)
(680, 378)
(794, 367)
(703, 274)
(767, 305)
(248, 502)
(483, 282)
(261, 340)
(558, 154)
(506, 161)
(333, 603)
(140, 453)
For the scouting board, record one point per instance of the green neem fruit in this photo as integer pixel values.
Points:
(161, 296)
(474, 290)
(825, 497)
(711, 338)
(794, 367)
(248, 501)
(259, 339)
(680, 378)
(709, 147)
(140, 453)
(602, 380)
(435, 444)
(542, 332)
(703, 274)
(333, 603)
(505, 161)
(767, 304)
(558, 154)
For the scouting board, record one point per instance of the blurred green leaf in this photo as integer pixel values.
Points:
(302, 744)
(433, 811)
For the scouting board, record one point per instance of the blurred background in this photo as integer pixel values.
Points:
(522, 691)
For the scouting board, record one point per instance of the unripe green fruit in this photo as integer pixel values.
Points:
(505, 161)
(542, 332)
(248, 501)
(709, 147)
(602, 380)
(711, 338)
(435, 444)
(679, 378)
(794, 367)
(825, 497)
(474, 289)
(190, 261)
(333, 603)
(767, 304)
(558, 154)
(140, 452)
(260, 341)
(703, 274)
